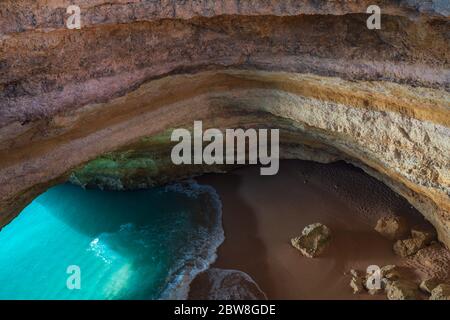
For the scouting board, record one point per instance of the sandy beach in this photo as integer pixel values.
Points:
(262, 213)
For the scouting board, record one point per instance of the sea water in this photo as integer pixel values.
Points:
(146, 244)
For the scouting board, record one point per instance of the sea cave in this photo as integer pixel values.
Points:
(88, 186)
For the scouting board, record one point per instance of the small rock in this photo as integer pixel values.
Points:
(390, 272)
(408, 247)
(429, 284)
(313, 240)
(357, 285)
(392, 227)
(402, 290)
(441, 292)
(426, 236)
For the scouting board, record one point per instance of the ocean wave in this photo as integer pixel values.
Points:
(203, 251)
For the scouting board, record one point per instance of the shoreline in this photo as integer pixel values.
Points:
(261, 214)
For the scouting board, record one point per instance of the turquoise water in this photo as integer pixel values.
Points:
(145, 244)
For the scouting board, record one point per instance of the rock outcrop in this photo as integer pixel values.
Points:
(428, 285)
(395, 281)
(441, 292)
(392, 272)
(392, 227)
(402, 290)
(97, 104)
(420, 238)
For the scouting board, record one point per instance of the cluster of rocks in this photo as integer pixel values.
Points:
(391, 281)
(313, 240)
(397, 284)
(407, 242)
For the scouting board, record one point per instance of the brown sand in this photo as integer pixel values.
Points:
(262, 213)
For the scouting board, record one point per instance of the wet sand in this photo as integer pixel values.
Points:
(262, 213)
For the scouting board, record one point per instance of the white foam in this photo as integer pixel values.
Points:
(204, 248)
(101, 250)
(200, 252)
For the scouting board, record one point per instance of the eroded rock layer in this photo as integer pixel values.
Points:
(98, 104)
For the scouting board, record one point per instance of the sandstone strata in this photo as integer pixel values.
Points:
(111, 92)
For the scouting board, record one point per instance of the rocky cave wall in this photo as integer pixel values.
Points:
(96, 105)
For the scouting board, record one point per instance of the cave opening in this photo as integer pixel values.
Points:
(360, 96)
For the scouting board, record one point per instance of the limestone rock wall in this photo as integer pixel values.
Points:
(111, 92)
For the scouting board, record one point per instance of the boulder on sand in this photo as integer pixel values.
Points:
(408, 247)
(391, 273)
(428, 285)
(392, 227)
(420, 239)
(313, 240)
(402, 290)
(357, 281)
(441, 292)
